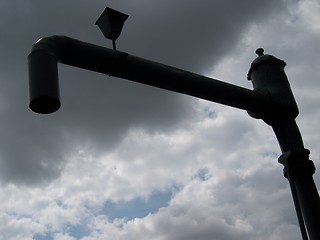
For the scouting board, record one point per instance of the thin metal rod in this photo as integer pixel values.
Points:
(114, 45)
(299, 170)
(310, 205)
(297, 206)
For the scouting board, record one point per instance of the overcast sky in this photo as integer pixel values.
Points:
(125, 161)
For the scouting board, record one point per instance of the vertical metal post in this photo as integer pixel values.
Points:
(267, 74)
(298, 169)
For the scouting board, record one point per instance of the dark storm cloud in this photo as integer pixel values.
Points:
(27, 156)
(192, 35)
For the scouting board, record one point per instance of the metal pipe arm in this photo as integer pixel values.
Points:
(47, 52)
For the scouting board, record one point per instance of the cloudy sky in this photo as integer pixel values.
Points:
(121, 160)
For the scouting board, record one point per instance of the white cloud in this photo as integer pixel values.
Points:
(60, 236)
(308, 12)
(203, 209)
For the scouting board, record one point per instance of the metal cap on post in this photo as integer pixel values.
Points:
(267, 74)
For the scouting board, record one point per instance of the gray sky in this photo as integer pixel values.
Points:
(121, 160)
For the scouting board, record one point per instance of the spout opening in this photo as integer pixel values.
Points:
(44, 104)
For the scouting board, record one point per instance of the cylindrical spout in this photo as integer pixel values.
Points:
(43, 80)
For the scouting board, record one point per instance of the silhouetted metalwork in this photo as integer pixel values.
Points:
(47, 52)
(271, 100)
(111, 23)
(267, 74)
